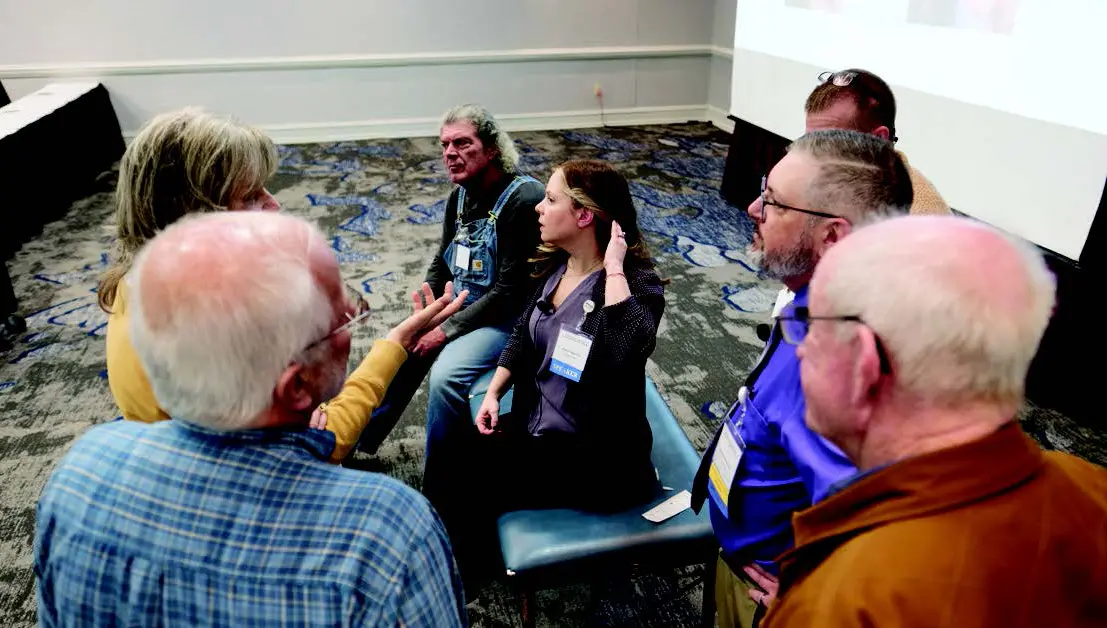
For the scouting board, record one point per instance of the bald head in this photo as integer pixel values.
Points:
(222, 304)
(960, 306)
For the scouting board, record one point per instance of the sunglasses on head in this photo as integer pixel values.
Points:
(863, 88)
(838, 79)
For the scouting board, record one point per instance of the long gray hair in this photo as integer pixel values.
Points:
(489, 131)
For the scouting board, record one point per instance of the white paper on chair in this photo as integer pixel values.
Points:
(669, 508)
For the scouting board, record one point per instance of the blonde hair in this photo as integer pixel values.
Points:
(180, 163)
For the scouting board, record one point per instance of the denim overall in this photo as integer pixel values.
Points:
(480, 237)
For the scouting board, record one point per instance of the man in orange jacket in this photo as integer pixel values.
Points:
(914, 354)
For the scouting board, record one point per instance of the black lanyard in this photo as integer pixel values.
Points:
(774, 341)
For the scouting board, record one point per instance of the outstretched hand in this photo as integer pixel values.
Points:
(428, 314)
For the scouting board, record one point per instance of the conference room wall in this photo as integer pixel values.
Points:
(718, 85)
(346, 69)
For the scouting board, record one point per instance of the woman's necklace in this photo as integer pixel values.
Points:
(569, 269)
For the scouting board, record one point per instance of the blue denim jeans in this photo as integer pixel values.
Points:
(452, 371)
(458, 365)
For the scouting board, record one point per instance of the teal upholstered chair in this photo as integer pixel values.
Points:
(546, 548)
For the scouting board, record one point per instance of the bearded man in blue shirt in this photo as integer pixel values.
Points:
(764, 464)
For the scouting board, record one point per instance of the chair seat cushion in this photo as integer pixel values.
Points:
(537, 539)
(534, 539)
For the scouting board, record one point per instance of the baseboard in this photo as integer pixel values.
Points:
(425, 127)
(720, 118)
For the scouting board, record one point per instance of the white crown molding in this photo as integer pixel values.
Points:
(329, 62)
(720, 118)
(428, 127)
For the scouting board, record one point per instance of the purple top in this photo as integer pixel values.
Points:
(549, 413)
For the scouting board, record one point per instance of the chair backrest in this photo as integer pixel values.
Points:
(673, 455)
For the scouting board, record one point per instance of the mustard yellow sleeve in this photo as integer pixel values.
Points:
(349, 412)
(928, 202)
(126, 378)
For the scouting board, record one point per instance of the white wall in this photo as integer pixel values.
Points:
(1023, 166)
(722, 39)
(353, 68)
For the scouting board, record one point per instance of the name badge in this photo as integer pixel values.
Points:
(461, 257)
(728, 453)
(570, 354)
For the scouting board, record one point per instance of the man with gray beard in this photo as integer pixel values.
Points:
(828, 182)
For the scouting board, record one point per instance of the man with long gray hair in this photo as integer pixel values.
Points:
(914, 349)
(828, 182)
(229, 514)
(489, 232)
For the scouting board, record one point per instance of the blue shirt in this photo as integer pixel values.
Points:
(785, 467)
(169, 524)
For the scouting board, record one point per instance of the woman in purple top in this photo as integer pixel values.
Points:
(577, 435)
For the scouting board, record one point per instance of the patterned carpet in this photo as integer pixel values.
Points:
(381, 204)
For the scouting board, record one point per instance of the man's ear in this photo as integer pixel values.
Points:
(866, 366)
(586, 217)
(882, 132)
(293, 391)
(834, 231)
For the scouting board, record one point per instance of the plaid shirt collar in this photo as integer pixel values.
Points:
(319, 443)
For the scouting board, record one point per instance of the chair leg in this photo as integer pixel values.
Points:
(707, 619)
(529, 606)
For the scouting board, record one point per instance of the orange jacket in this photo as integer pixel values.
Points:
(991, 533)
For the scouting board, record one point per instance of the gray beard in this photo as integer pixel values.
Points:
(787, 264)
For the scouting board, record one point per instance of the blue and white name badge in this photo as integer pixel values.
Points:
(728, 454)
(570, 354)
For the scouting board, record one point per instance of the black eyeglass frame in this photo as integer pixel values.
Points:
(766, 202)
(800, 314)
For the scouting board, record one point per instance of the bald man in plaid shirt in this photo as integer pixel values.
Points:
(229, 514)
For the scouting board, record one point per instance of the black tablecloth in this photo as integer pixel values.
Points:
(47, 165)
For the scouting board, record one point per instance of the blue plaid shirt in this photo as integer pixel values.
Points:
(170, 524)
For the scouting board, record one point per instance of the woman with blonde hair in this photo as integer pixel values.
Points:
(180, 163)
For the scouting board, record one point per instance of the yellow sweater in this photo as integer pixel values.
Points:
(347, 414)
(927, 199)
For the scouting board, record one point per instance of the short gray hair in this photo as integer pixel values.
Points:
(950, 343)
(214, 341)
(489, 132)
(860, 175)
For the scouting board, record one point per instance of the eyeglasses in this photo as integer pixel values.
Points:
(766, 202)
(359, 315)
(795, 322)
(838, 79)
